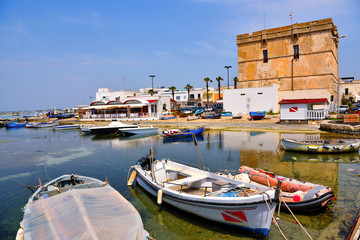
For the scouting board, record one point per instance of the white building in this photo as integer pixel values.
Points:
(107, 94)
(180, 96)
(303, 109)
(245, 100)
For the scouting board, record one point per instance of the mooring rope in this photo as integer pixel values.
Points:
(272, 216)
(295, 218)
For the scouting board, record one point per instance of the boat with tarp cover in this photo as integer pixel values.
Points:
(206, 194)
(79, 207)
(320, 146)
(297, 195)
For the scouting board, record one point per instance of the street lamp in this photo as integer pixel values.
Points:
(152, 81)
(338, 73)
(227, 67)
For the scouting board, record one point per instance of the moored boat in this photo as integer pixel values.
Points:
(177, 133)
(46, 124)
(199, 111)
(226, 114)
(15, 125)
(78, 207)
(113, 127)
(167, 117)
(139, 130)
(66, 127)
(206, 194)
(237, 115)
(298, 195)
(320, 146)
(257, 115)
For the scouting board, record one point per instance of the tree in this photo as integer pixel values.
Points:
(219, 79)
(188, 87)
(235, 82)
(207, 80)
(172, 88)
(151, 91)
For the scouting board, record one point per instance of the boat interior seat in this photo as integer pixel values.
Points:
(184, 181)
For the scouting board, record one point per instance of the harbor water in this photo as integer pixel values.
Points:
(28, 155)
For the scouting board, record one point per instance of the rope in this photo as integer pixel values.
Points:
(272, 216)
(295, 218)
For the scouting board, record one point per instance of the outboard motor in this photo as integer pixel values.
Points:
(144, 162)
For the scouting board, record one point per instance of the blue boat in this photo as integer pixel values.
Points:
(15, 125)
(199, 111)
(183, 133)
(167, 117)
(226, 114)
(257, 115)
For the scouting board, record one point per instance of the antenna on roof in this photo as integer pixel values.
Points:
(290, 17)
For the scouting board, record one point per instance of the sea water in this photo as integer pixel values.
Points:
(32, 155)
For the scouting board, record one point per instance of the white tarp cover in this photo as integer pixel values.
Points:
(94, 213)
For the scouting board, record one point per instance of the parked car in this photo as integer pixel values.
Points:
(343, 109)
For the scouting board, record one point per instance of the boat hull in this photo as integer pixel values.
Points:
(140, 131)
(318, 147)
(66, 127)
(257, 115)
(186, 134)
(298, 195)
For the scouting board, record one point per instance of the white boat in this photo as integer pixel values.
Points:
(206, 194)
(79, 207)
(320, 146)
(42, 124)
(139, 130)
(237, 115)
(66, 127)
(113, 127)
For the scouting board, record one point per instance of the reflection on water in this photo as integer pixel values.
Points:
(289, 156)
(27, 155)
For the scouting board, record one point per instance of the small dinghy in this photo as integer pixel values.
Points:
(320, 146)
(79, 207)
(206, 194)
(298, 195)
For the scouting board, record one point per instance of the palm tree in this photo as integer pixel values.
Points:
(172, 88)
(151, 91)
(235, 82)
(219, 79)
(207, 80)
(188, 87)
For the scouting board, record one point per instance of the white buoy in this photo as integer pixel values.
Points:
(20, 234)
(159, 197)
(132, 178)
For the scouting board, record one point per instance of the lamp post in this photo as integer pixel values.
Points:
(152, 81)
(338, 73)
(227, 67)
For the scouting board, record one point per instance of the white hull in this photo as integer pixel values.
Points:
(140, 130)
(248, 212)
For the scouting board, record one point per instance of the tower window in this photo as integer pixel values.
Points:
(296, 51)
(265, 54)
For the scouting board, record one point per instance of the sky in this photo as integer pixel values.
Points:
(58, 53)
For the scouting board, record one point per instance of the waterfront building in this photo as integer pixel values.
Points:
(350, 88)
(196, 97)
(245, 100)
(301, 58)
(107, 94)
(131, 108)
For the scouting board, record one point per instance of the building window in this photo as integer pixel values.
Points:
(242, 94)
(346, 91)
(192, 96)
(259, 93)
(177, 97)
(331, 98)
(265, 54)
(296, 51)
(199, 96)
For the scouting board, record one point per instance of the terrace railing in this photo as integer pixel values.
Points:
(317, 114)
